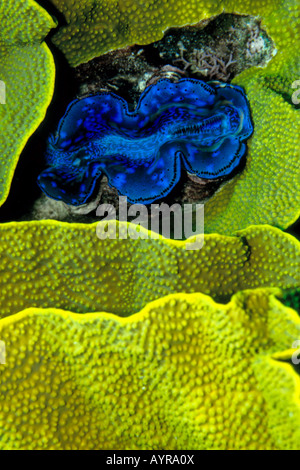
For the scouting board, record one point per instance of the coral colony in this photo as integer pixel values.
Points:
(189, 124)
(139, 344)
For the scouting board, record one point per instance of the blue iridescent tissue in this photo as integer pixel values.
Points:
(188, 126)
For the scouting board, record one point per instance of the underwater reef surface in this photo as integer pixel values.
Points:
(188, 368)
(265, 191)
(92, 28)
(262, 193)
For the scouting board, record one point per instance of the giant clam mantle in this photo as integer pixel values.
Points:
(199, 126)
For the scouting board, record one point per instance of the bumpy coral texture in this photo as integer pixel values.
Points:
(27, 69)
(95, 27)
(186, 125)
(60, 265)
(184, 373)
(267, 189)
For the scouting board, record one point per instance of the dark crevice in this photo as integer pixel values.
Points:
(248, 248)
(295, 366)
(294, 229)
(285, 96)
(54, 12)
(291, 298)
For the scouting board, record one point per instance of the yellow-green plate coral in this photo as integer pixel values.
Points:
(95, 27)
(27, 70)
(184, 373)
(60, 265)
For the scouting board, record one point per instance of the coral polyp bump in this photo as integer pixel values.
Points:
(190, 124)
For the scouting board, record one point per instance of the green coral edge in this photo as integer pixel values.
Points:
(40, 115)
